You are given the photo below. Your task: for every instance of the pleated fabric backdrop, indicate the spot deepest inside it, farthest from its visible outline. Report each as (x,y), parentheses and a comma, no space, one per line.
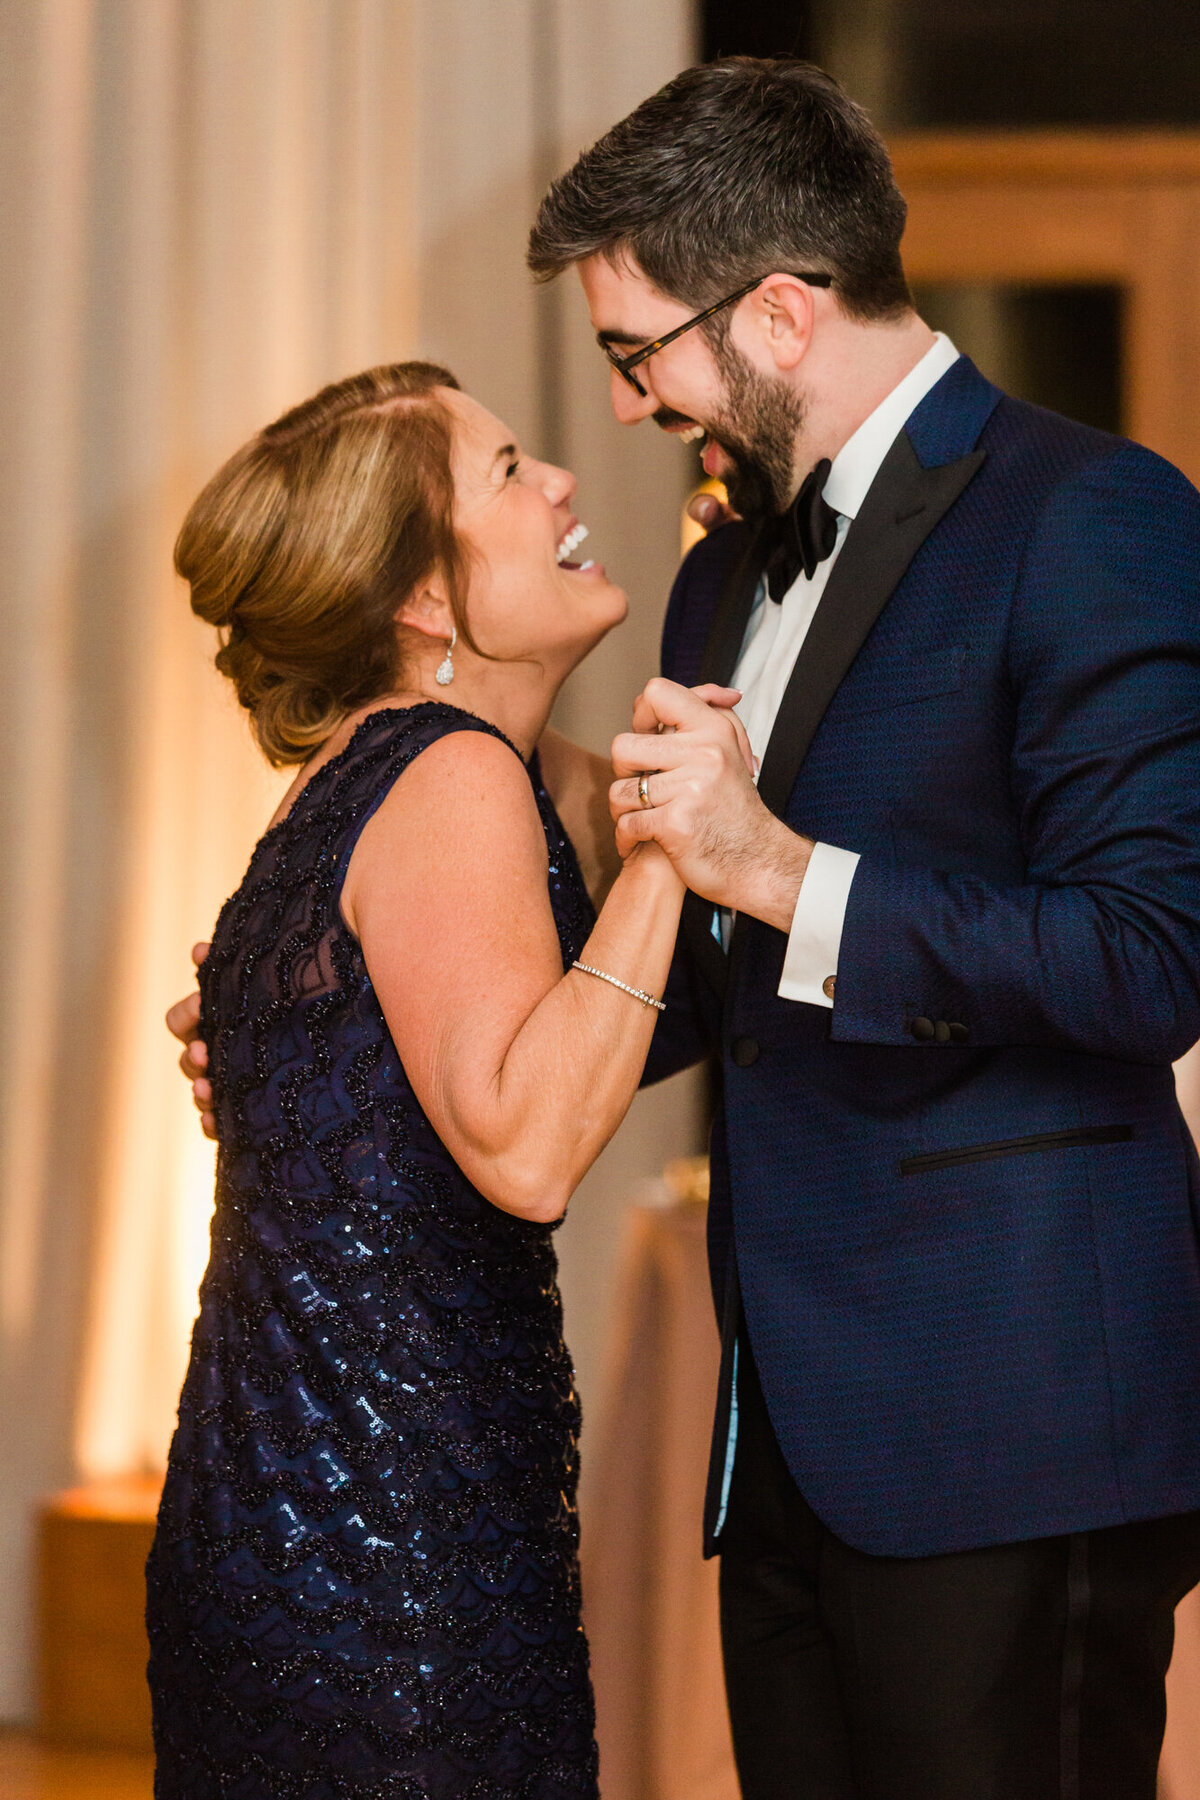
(207,208)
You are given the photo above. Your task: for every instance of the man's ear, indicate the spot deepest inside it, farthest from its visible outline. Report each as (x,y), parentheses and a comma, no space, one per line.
(783,316)
(427,610)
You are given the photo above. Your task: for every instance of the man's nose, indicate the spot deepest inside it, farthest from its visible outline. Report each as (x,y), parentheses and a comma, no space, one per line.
(630,408)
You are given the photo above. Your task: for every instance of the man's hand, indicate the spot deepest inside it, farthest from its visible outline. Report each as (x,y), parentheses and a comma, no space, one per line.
(705,810)
(183,1022)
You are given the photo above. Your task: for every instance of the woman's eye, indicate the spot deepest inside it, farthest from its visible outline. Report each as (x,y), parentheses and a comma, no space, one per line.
(512,469)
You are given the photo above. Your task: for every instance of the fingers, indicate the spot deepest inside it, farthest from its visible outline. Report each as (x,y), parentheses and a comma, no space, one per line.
(199,952)
(194,1061)
(202,1100)
(726,699)
(662,702)
(632,754)
(183,1019)
(743,743)
(711,730)
(648,712)
(709,510)
(624,796)
(634,828)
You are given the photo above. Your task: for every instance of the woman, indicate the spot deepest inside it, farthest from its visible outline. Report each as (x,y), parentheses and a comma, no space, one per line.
(364,1579)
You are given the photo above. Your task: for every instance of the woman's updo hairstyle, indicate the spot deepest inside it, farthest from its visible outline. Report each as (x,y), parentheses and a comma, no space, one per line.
(301,548)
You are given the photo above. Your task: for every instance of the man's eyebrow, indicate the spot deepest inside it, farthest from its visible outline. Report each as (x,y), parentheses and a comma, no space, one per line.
(603,338)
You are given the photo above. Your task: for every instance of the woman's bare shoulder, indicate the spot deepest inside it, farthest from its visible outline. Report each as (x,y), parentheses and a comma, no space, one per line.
(459,827)
(466,787)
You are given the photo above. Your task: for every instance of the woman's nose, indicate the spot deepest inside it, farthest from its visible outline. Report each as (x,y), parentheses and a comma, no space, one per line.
(559,484)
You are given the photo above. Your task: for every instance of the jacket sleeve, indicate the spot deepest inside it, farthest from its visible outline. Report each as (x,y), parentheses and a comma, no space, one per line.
(1098,947)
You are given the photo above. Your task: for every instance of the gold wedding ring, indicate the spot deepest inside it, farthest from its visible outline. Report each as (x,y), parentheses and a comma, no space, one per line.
(644,788)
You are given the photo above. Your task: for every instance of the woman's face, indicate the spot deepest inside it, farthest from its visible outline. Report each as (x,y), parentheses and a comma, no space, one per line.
(530,596)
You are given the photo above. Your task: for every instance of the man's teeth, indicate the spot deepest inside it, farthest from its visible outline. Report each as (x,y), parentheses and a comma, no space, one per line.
(589,564)
(571,542)
(692,435)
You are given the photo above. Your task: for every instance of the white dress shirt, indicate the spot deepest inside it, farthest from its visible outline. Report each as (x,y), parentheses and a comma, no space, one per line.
(774,635)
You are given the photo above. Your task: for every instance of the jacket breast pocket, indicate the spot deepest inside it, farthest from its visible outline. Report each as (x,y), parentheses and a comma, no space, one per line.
(900,681)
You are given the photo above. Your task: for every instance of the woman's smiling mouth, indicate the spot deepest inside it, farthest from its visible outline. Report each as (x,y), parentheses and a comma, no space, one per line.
(571,541)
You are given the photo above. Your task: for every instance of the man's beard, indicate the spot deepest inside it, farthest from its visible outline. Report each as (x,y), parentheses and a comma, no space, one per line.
(757,425)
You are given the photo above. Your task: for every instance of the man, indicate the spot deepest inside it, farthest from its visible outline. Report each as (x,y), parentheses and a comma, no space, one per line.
(946,951)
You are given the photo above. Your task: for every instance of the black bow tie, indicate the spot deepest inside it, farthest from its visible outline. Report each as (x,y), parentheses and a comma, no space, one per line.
(803,537)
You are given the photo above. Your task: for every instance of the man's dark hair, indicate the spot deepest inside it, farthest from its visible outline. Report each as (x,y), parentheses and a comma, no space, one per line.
(735,169)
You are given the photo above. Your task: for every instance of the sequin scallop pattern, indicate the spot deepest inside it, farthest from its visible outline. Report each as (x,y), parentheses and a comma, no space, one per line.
(364,1579)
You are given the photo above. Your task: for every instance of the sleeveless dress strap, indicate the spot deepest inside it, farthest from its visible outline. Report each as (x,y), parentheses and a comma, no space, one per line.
(378,753)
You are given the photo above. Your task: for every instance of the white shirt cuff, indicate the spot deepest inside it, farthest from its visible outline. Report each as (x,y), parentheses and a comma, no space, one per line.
(816,935)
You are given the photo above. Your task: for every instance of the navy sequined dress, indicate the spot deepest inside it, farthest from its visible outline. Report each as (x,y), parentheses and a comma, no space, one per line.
(364,1580)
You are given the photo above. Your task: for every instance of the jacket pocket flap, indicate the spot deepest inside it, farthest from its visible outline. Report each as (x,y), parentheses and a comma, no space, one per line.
(1022,1146)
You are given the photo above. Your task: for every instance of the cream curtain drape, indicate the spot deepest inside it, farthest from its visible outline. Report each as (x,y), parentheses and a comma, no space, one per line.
(207,208)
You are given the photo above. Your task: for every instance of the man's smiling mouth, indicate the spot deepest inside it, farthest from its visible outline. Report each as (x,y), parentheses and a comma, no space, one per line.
(678,425)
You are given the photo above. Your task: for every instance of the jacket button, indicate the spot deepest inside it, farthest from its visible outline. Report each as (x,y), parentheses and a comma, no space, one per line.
(827,986)
(941,1032)
(958,1033)
(744,1051)
(922,1030)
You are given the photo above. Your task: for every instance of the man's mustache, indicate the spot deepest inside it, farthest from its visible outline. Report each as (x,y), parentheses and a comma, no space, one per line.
(666,418)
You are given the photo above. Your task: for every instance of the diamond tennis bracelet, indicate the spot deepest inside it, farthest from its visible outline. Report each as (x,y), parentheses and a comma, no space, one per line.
(646,999)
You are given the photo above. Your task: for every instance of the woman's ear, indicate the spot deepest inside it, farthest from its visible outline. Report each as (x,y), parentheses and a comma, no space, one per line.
(427,611)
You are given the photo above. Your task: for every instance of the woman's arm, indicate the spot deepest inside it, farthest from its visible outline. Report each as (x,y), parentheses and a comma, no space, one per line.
(578,782)
(524,1072)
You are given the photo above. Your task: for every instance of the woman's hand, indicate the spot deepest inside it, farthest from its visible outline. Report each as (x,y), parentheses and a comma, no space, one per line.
(183,1022)
(709,510)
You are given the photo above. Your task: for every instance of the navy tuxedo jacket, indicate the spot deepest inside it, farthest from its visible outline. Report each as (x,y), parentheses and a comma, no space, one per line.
(957,1215)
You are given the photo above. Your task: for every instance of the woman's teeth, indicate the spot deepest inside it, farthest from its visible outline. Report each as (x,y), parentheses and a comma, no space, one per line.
(692,435)
(571,542)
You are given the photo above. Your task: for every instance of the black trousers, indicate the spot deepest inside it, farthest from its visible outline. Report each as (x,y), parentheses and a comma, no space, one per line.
(1019,1672)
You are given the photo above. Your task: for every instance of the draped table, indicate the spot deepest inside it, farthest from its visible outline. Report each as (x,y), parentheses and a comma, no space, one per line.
(650,1599)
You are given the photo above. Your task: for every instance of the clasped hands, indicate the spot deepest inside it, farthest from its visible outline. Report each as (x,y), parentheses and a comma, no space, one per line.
(693,754)
(705,813)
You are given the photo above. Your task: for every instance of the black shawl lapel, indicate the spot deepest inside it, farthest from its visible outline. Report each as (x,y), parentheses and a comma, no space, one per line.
(903,505)
(905,502)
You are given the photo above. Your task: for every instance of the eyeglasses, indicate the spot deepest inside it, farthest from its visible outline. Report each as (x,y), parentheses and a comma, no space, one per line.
(625,365)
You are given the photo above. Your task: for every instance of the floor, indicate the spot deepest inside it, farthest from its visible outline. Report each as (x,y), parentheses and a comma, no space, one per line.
(30,1771)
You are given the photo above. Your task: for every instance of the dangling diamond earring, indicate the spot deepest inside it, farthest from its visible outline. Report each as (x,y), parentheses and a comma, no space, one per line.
(444,674)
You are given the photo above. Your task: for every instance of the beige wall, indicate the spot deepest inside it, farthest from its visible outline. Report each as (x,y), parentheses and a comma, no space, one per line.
(208,207)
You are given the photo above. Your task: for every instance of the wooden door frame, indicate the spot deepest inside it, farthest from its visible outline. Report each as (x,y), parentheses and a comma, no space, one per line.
(1057,207)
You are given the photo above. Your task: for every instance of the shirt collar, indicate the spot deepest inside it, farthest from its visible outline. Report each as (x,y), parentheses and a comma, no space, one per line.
(858,461)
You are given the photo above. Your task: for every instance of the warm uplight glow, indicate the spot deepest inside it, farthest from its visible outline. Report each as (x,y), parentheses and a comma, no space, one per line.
(206,796)
(690,533)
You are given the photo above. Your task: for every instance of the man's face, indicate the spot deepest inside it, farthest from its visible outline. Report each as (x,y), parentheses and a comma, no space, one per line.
(749,416)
